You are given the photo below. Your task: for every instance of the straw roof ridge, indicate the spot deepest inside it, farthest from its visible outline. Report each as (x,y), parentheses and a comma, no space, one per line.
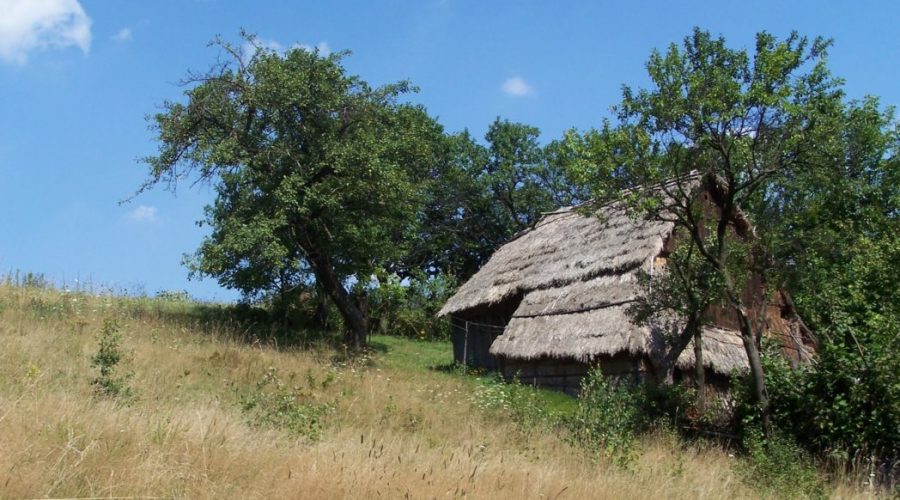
(692,179)
(569,245)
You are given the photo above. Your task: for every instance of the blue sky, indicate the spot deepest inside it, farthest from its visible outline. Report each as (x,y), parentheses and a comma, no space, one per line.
(77,78)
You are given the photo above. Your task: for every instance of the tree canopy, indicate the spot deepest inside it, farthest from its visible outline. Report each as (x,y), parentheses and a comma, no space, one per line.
(317,174)
(481,194)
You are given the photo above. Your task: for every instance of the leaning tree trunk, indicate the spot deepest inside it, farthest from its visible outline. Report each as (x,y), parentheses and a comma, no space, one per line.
(699,370)
(748,337)
(354,318)
(320,316)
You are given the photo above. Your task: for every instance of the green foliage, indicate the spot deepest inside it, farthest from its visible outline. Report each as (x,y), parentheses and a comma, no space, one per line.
(733,122)
(613,413)
(609,419)
(409,307)
(837,229)
(779,466)
(106,360)
(285,405)
(848,402)
(480,195)
(711,108)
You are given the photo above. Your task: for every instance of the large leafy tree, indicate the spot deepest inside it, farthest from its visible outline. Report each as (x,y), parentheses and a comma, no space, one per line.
(318,176)
(736,121)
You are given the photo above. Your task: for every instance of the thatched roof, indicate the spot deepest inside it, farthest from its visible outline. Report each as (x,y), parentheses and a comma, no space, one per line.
(576,275)
(564,248)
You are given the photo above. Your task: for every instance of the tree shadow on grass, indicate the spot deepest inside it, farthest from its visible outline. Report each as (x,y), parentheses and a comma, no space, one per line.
(240,322)
(379,347)
(456,369)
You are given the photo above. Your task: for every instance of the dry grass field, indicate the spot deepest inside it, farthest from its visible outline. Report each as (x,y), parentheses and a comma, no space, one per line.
(215,415)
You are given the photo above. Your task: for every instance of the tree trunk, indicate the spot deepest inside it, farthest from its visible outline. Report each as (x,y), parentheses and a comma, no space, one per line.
(320,317)
(699,370)
(757,376)
(748,337)
(671,356)
(354,318)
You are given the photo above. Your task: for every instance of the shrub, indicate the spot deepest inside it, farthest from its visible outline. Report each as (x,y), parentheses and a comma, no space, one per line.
(520,403)
(108,356)
(608,418)
(408,307)
(846,406)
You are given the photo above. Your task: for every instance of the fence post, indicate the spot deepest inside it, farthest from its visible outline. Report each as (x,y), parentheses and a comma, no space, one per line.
(466,346)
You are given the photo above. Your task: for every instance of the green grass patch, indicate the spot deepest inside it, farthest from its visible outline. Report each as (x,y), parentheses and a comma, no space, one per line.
(413,355)
(437,357)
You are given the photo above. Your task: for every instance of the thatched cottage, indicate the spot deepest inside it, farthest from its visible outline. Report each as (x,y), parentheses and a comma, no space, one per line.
(553,302)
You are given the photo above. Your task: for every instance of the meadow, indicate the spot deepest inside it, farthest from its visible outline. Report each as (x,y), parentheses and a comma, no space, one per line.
(203,406)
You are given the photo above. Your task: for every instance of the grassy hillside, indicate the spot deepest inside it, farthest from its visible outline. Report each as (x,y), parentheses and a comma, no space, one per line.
(217,412)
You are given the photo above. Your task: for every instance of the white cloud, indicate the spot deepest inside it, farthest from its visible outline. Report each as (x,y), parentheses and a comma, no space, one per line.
(248,49)
(272,45)
(143,213)
(30,25)
(517,87)
(123,35)
(322,47)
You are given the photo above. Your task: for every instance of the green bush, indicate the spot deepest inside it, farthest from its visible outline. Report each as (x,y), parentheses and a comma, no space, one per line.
(520,403)
(839,410)
(779,465)
(108,356)
(609,417)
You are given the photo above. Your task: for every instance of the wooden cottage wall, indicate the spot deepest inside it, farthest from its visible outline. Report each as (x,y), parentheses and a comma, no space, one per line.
(566,374)
(476,329)
(472,341)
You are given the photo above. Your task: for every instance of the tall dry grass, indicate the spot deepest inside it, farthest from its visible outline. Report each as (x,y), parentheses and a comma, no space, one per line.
(391,432)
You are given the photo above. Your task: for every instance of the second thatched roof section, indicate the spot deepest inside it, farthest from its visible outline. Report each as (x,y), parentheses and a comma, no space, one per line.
(573,277)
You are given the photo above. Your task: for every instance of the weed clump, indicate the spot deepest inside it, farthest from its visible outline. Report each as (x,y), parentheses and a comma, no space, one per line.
(279,405)
(520,403)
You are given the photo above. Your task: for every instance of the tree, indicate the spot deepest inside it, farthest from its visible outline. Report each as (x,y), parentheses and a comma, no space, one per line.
(316,174)
(735,123)
(835,229)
